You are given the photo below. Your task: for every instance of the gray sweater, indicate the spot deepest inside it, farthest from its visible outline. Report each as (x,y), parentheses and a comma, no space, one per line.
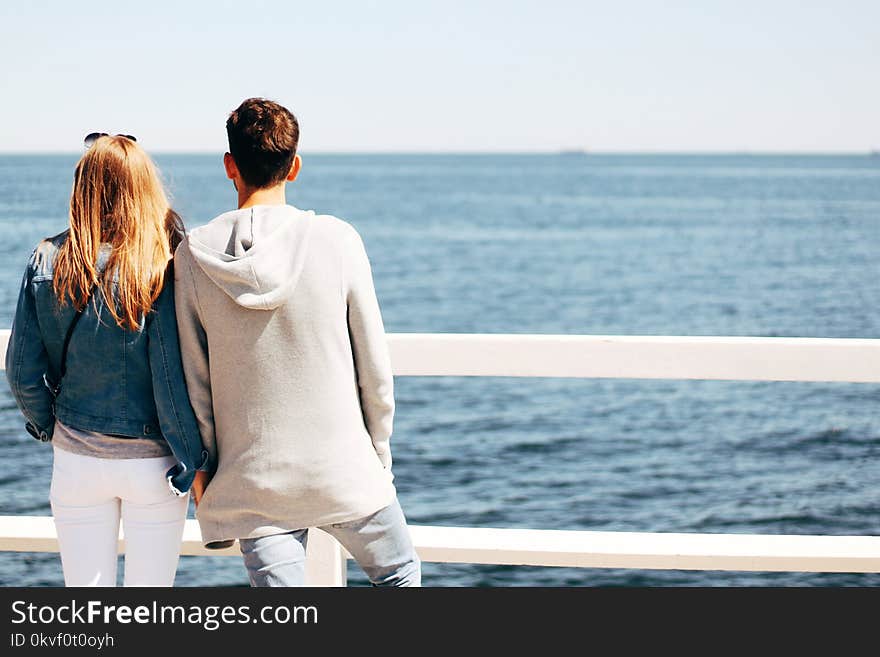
(288,371)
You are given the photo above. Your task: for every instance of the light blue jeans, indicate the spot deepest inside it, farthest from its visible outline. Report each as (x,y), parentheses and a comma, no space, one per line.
(380,543)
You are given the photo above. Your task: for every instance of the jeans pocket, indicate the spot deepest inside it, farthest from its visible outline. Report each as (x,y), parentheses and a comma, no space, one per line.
(350,524)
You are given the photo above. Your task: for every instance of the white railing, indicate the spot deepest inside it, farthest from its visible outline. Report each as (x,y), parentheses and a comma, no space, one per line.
(650,357)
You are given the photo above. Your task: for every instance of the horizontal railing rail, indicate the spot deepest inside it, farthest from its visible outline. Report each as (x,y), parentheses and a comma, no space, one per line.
(549,547)
(588,356)
(629,356)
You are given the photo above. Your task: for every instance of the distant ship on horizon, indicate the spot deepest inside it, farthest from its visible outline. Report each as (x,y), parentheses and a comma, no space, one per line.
(573,151)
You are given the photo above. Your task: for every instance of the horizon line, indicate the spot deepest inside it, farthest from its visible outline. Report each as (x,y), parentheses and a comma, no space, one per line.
(559,151)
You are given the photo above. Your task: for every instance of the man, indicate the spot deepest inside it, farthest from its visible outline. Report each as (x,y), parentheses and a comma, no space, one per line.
(288,371)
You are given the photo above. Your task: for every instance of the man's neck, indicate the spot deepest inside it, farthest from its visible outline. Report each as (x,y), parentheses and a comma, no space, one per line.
(267,196)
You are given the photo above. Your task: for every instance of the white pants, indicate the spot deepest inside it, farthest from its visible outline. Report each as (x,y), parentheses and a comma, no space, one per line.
(89,495)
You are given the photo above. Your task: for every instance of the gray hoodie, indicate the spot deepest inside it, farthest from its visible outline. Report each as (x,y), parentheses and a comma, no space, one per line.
(288,371)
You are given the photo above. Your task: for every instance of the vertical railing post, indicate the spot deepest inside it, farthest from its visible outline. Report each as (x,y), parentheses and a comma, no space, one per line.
(325,560)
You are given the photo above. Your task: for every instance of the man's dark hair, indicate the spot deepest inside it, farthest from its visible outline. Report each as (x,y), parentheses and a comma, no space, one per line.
(262,140)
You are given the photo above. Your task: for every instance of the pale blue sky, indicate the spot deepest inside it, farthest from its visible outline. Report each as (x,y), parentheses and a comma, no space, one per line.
(629,75)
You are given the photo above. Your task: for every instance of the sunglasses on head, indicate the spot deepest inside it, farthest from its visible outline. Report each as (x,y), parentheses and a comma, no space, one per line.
(92,137)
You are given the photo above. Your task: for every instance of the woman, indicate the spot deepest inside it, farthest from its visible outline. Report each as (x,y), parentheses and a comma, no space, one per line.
(94,365)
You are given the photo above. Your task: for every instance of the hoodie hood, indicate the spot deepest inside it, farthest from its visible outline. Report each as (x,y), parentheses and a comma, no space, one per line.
(255,255)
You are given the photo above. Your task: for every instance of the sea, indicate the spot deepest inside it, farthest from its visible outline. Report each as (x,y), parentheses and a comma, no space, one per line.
(569,243)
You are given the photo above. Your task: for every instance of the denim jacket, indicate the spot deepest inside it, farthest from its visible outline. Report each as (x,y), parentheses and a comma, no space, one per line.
(117,381)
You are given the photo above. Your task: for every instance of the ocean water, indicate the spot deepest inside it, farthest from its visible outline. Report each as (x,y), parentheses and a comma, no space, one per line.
(595,244)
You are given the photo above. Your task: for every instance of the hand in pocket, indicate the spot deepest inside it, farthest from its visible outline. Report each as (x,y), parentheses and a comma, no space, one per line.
(200,483)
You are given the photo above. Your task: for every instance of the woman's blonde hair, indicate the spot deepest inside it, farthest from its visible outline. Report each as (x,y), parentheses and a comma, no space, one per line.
(117,199)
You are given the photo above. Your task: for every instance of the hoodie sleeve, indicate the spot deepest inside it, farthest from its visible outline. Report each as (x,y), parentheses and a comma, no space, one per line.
(194,349)
(369,347)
